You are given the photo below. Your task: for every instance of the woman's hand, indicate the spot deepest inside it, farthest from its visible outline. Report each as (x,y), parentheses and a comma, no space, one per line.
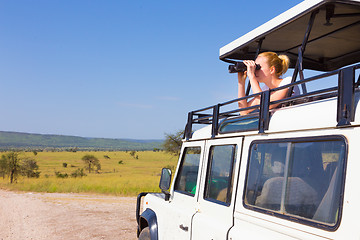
(251,66)
(242,77)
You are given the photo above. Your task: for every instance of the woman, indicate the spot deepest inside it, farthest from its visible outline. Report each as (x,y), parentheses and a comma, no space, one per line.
(273,66)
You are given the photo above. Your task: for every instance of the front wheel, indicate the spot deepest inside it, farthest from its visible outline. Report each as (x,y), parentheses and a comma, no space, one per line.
(145,234)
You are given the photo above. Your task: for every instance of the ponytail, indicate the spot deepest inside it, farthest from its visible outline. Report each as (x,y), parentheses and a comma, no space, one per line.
(285,63)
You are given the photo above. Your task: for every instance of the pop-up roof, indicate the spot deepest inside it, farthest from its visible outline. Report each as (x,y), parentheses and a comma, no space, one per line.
(333,42)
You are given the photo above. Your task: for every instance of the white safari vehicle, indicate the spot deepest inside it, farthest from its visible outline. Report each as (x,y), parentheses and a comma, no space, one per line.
(285,172)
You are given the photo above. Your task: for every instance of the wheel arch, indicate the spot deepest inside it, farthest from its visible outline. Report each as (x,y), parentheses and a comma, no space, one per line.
(148,219)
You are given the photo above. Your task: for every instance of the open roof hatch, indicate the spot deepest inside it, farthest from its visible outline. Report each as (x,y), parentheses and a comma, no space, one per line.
(330,30)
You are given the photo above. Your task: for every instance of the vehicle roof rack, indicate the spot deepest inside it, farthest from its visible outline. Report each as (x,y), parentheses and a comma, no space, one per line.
(345,93)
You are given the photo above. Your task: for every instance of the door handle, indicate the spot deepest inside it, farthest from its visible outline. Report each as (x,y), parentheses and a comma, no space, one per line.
(184,228)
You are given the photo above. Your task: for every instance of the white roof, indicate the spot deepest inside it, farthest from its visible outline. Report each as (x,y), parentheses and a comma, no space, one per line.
(281,19)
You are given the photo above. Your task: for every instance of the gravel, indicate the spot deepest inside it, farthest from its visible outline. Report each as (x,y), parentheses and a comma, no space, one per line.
(27,215)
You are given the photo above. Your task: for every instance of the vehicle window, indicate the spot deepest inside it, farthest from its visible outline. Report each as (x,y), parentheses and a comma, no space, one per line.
(220,173)
(297,178)
(240,124)
(188,171)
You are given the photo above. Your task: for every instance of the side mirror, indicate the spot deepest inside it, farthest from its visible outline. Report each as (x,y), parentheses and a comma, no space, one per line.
(165,179)
(165,182)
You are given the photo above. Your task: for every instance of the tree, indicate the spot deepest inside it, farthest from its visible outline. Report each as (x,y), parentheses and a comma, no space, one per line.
(132,153)
(29,167)
(3,166)
(172,143)
(91,162)
(12,165)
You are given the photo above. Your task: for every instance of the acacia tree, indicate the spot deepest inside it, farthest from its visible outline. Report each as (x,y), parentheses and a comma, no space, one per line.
(172,143)
(91,162)
(13,167)
(3,166)
(132,153)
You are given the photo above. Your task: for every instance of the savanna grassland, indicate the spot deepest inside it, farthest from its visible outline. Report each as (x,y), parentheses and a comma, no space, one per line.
(121,173)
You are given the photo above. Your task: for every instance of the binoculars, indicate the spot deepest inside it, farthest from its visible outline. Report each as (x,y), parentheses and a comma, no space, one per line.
(240,67)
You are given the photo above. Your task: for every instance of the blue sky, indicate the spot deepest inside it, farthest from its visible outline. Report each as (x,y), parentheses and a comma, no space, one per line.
(117,69)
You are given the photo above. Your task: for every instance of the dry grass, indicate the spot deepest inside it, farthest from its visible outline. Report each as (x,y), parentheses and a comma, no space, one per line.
(126,179)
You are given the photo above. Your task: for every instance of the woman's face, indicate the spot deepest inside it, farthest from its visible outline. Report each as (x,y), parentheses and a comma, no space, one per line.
(263,74)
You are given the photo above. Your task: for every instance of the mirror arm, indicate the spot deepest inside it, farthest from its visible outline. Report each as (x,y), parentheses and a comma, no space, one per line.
(167,195)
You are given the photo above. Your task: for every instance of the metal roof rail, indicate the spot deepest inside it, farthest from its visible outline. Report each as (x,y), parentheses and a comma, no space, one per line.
(345,92)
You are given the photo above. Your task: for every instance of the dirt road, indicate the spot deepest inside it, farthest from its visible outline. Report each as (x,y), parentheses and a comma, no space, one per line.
(25,215)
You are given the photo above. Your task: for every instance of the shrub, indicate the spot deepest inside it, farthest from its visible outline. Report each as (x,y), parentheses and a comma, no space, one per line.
(78,173)
(61,175)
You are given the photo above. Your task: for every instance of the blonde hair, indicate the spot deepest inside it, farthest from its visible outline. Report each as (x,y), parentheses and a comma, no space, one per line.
(280,62)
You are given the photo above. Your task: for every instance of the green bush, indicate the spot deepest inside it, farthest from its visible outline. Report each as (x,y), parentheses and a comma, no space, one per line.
(78,173)
(61,175)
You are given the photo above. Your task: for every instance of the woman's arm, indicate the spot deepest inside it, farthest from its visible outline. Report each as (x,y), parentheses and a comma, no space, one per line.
(278,95)
(241,89)
(255,87)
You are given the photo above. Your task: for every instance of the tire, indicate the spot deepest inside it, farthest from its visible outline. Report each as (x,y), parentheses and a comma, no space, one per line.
(145,234)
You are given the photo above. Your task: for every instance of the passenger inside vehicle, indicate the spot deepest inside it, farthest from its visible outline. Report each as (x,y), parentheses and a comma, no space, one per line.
(300,198)
(303,187)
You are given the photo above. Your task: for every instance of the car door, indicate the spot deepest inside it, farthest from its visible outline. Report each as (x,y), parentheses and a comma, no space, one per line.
(214,215)
(184,193)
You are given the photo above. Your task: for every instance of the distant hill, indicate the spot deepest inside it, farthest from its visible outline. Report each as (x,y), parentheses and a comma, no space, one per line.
(17,140)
